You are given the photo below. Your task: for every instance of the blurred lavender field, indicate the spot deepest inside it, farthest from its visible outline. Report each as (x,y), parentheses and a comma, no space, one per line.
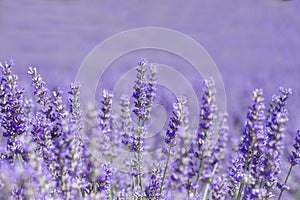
(255,44)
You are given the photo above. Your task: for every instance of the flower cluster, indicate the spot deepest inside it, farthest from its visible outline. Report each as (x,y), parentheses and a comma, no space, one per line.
(52,149)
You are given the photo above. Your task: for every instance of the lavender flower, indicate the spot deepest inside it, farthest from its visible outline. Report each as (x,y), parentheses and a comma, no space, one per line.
(75,106)
(126,125)
(152,190)
(152,90)
(294,159)
(105,117)
(250,151)
(218,190)
(200,147)
(12,113)
(140,92)
(207,116)
(44,153)
(40,89)
(276,124)
(212,165)
(178,119)
(144,95)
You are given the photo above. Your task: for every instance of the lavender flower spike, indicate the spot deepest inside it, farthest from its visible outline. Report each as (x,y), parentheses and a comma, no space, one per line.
(75,107)
(276,125)
(12,115)
(40,89)
(250,152)
(294,159)
(200,147)
(106,111)
(180,115)
(140,92)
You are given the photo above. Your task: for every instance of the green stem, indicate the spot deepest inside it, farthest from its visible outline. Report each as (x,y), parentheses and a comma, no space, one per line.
(240,191)
(207,184)
(164,174)
(205,191)
(133,186)
(198,175)
(139,156)
(286,180)
(110,193)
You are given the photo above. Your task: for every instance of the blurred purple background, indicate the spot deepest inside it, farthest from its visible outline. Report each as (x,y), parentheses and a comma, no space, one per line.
(254,43)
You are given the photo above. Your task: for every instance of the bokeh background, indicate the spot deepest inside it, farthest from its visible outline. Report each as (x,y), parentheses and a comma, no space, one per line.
(255,44)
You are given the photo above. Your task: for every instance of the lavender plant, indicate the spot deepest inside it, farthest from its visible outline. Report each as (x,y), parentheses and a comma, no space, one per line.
(51,150)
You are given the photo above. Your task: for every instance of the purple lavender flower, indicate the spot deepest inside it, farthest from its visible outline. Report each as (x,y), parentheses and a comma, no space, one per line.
(275,127)
(105,117)
(294,158)
(75,106)
(208,109)
(178,119)
(12,118)
(126,125)
(236,175)
(12,113)
(40,89)
(46,155)
(152,90)
(152,190)
(140,92)
(218,188)
(201,146)
(182,172)
(212,165)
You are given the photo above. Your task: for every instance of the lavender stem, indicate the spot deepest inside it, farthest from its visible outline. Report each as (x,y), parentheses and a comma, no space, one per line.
(286,180)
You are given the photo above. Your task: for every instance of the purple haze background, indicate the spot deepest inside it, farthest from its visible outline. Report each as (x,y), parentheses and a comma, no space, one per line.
(255,44)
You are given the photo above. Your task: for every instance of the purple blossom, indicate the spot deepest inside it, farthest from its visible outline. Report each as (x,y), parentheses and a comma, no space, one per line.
(275,127)
(212,165)
(52,151)
(294,158)
(105,117)
(179,117)
(208,109)
(12,112)
(176,123)
(140,92)
(152,190)
(75,106)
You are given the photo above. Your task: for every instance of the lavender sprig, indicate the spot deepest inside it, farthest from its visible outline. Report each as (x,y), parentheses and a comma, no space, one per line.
(152,190)
(144,95)
(12,113)
(178,119)
(275,127)
(211,166)
(75,106)
(201,145)
(250,152)
(294,159)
